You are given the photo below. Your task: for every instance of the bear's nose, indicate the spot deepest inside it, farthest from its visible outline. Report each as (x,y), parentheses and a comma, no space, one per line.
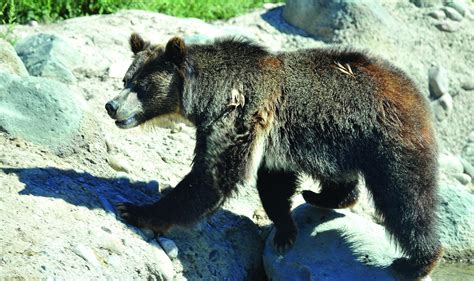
(111,108)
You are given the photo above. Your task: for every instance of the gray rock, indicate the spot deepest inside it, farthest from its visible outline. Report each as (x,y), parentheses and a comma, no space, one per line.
(456,225)
(460,6)
(87,254)
(442,107)
(448,26)
(169,247)
(323,19)
(453,14)
(39,110)
(332,245)
(438,14)
(463,179)
(165,269)
(49,56)
(148,234)
(9,60)
(438,81)
(446,102)
(468,150)
(468,85)
(450,164)
(426,3)
(119,163)
(468,168)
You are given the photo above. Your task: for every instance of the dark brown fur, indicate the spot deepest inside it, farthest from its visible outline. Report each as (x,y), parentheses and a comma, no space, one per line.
(332,114)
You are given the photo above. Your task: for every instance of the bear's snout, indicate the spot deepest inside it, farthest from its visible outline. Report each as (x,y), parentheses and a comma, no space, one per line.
(111,108)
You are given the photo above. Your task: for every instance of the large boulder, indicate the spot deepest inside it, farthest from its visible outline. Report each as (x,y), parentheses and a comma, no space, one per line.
(332,245)
(9,60)
(39,110)
(324,19)
(47,55)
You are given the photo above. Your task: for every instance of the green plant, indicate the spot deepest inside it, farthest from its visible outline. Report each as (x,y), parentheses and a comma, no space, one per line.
(53,10)
(7,34)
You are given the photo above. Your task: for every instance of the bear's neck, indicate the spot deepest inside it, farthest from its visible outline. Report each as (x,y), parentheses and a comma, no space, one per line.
(213,72)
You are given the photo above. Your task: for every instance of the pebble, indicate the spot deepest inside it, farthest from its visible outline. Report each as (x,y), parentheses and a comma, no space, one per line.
(148,234)
(448,26)
(468,85)
(446,101)
(33,23)
(468,168)
(461,6)
(468,151)
(169,247)
(438,14)
(87,254)
(119,163)
(452,14)
(463,178)
(450,164)
(438,81)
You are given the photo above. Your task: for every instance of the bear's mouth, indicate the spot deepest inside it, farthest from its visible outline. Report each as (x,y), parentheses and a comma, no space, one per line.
(130,122)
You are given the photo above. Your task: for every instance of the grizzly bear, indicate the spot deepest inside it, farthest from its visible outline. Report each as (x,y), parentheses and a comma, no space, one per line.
(334,114)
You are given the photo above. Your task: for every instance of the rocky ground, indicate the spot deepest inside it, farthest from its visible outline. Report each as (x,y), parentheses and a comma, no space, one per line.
(63,162)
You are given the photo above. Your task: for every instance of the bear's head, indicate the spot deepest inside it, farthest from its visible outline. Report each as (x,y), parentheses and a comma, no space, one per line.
(152,85)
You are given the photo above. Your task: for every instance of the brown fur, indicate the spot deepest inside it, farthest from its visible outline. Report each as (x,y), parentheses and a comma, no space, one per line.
(332,114)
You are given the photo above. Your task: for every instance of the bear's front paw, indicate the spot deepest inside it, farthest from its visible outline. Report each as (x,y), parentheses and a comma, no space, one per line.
(141,216)
(284,239)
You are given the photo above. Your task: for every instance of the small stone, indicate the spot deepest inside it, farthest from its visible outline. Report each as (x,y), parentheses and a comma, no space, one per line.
(148,234)
(438,14)
(87,254)
(446,101)
(460,6)
(164,267)
(33,23)
(468,168)
(119,163)
(468,85)
(450,164)
(442,107)
(462,178)
(448,26)
(452,14)
(169,247)
(438,81)
(468,152)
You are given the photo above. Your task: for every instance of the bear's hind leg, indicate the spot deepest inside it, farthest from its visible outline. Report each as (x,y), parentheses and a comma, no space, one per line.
(404,193)
(333,195)
(275,189)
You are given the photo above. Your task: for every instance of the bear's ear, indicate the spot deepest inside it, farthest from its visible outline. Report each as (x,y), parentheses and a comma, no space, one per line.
(176,50)
(137,44)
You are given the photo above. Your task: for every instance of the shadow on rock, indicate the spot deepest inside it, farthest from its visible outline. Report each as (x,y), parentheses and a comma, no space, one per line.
(224,246)
(332,245)
(275,18)
(84,189)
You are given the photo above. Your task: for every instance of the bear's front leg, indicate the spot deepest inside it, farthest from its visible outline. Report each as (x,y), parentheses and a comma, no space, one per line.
(223,159)
(190,200)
